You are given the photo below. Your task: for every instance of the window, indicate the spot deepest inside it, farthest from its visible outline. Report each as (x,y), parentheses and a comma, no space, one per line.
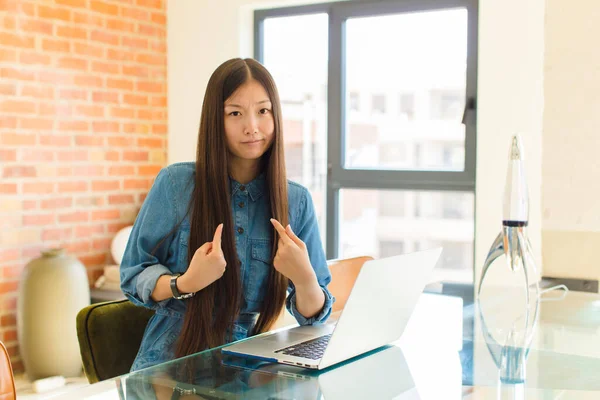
(377,133)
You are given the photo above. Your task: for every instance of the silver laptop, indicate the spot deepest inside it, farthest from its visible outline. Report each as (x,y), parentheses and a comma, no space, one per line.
(379,306)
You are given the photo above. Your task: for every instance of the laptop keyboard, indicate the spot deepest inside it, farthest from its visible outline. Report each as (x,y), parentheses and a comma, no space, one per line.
(312,349)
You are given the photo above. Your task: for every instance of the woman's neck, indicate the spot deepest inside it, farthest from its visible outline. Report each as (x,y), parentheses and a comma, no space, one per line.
(244,171)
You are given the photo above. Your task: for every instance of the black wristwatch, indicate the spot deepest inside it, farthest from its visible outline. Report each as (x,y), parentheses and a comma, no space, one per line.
(175,291)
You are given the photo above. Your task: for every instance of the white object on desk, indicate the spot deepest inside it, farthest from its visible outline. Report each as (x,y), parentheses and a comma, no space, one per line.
(118,244)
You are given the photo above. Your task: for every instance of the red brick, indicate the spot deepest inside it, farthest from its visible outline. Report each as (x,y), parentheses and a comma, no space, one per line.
(53,204)
(89,170)
(136,128)
(54,13)
(122,112)
(116,227)
(10,335)
(104,215)
(135,70)
(18,40)
(37,124)
(8,287)
(35,58)
(79,126)
(88,81)
(38,220)
(88,230)
(76,155)
(101,244)
(121,141)
(159,18)
(149,30)
(17,139)
(56,45)
(112,156)
(73,63)
(19,106)
(149,86)
(150,3)
(35,155)
(11,272)
(153,143)
(60,110)
(89,50)
(35,25)
(135,13)
(105,68)
(159,129)
(104,7)
(32,251)
(72,3)
(136,184)
(9,319)
(9,255)
(121,199)
(121,170)
(77,216)
(78,247)
(38,187)
(19,172)
(55,140)
(105,37)
(151,59)
(135,100)
(89,111)
(105,127)
(57,234)
(8,89)
(8,55)
(134,43)
(105,97)
(29,204)
(135,155)
(90,201)
(17,74)
(8,122)
(72,94)
(8,155)
(65,187)
(149,170)
(55,78)
(8,188)
(158,46)
(89,19)
(37,91)
(104,186)
(120,25)
(119,84)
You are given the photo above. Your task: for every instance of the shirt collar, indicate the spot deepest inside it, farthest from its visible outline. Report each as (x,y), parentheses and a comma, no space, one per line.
(255,188)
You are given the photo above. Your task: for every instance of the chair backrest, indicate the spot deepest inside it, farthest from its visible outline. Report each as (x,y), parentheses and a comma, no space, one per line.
(7,380)
(343,275)
(110,335)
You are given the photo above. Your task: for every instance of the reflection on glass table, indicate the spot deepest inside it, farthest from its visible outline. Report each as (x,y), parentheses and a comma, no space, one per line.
(444,354)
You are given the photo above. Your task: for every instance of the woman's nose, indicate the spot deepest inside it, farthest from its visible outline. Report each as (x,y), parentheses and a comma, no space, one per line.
(251,125)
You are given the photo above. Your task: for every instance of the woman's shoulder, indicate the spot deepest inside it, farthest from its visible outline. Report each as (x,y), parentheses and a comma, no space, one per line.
(296,192)
(180,174)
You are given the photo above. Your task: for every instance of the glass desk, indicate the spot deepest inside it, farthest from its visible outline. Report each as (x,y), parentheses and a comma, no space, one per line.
(451,349)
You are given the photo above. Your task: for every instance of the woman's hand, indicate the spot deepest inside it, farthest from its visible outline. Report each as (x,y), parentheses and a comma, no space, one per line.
(292,258)
(208,265)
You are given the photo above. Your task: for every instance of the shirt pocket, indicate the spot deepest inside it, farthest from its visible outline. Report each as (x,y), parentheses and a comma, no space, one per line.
(182,250)
(258,270)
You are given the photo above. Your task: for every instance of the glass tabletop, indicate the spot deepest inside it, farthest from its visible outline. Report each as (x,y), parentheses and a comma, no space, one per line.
(452,348)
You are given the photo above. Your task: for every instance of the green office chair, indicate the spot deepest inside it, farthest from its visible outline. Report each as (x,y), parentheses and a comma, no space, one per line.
(109,337)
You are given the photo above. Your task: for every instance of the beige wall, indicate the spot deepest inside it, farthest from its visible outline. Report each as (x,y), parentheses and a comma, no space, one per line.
(571,160)
(201,36)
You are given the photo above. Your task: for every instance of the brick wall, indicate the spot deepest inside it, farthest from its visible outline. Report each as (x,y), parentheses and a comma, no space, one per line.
(83,124)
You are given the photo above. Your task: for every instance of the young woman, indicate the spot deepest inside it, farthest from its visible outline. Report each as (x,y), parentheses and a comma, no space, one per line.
(218,243)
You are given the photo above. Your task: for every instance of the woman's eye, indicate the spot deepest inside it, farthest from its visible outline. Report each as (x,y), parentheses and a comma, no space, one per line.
(264,111)
(235,113)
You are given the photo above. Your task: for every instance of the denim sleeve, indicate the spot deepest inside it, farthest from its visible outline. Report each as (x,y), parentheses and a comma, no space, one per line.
(308,231)
(140,267)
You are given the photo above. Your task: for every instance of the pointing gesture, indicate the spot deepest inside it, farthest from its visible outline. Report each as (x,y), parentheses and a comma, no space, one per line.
(291,258)
(208,264)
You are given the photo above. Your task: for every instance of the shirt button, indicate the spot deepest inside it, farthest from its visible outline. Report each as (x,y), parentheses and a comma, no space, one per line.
(241,204)
(242,188)
(240,230)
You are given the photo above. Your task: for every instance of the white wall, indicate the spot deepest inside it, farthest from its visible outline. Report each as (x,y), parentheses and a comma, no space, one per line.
(201,35)
(571,162)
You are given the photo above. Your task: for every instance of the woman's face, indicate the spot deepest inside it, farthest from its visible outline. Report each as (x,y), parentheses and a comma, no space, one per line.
(249,124)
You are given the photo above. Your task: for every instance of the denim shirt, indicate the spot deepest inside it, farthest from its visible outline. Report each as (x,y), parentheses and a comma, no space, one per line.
(165,206)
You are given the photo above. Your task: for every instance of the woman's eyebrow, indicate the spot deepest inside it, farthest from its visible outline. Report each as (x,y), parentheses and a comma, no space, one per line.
(238,106)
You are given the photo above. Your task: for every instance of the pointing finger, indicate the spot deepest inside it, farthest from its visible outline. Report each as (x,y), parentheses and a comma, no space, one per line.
(281,230)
